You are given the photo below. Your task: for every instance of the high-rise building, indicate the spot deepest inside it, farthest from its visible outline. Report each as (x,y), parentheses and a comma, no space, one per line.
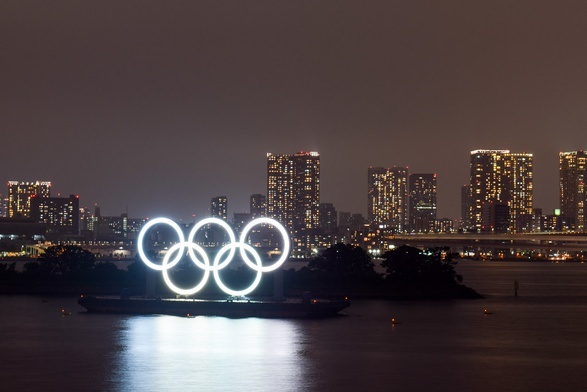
(60,214)
(19,196)
(388,197)
(465,207)
(378,195)
(280,180)
(572,188)
(258,206)
(3,205)
(422,191)
(219,207)
(328,217)
(344,219)
(499,176)
(293,194)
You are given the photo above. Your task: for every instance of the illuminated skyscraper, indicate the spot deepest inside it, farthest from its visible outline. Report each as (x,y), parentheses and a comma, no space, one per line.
(60,214)
(499,176)
(19,196)
(293,193)
(378,195)
(572,190)
(219,207)
(388,196)
(422,214)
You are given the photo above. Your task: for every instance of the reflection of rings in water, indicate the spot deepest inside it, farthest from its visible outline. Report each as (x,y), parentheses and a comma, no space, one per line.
(200,258)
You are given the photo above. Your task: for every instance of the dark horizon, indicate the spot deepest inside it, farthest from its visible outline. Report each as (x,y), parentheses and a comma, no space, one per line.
(156,107)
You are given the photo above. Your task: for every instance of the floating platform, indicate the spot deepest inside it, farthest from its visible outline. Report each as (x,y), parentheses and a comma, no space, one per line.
(232,308)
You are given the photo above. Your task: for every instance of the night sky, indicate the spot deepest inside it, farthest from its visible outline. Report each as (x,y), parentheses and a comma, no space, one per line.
(157,106)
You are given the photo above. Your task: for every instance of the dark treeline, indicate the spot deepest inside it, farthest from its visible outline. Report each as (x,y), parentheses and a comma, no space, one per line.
(341,270)
(69,269)
(409,273)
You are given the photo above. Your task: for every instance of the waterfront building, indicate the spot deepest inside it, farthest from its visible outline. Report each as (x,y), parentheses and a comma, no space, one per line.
(110,228)
(87,222)
(422,202)
(387,197)
(293,195)
(19,196)
(118,228)
(537,220)
(555,222)
(444,225)
(60,214)
(495,217)
(219,207)
(572,189)
(502,177)
(19,234)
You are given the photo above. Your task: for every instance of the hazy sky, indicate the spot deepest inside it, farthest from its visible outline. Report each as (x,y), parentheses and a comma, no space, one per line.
(157,106)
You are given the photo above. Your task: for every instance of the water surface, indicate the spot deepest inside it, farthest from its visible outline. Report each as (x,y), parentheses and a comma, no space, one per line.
(534,342)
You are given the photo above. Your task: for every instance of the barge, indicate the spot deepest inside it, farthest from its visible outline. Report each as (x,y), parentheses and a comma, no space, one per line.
(232,308)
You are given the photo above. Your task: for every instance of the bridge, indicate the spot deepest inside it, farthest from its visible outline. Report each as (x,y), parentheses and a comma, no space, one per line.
(544,243)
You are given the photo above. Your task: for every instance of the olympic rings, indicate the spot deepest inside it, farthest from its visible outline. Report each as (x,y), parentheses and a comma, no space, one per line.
(200,258)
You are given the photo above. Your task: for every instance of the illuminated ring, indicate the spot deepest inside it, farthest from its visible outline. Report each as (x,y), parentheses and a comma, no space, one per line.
(284,253)
(142,234)
(179,247)
(217,268)
(197,227)
(170,261)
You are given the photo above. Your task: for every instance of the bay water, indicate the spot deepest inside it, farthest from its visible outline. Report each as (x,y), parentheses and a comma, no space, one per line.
(536,341)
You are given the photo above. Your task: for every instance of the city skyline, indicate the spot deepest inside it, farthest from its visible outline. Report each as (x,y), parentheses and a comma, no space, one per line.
(481,161)
(154,109)
(209,208)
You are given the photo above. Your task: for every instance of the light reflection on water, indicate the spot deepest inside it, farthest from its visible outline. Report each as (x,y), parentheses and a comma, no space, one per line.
(215,352)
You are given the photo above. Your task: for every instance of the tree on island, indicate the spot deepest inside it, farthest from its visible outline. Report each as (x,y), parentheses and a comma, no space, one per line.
(339,269)
(67,260)
(70,263)
(407,265)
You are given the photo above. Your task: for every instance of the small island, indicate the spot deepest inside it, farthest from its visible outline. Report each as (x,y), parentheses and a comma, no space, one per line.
(410,273)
